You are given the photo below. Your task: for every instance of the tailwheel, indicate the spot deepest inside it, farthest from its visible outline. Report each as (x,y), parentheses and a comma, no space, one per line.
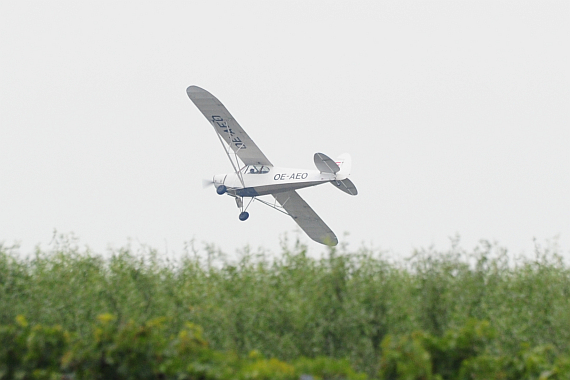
(243,216)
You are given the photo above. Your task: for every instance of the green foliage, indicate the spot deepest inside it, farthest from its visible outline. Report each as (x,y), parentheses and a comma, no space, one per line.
(117,351)
(405,358)
(31,352)
(342,305)
(267,369)
(422,356)
(324,368)
(466,353)
(127,351)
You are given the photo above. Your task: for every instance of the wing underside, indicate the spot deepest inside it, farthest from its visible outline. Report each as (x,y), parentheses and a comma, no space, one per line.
(306,218)
(227,127)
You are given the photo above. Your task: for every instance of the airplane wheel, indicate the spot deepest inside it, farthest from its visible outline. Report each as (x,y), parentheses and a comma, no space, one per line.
(221,190)
(243,216)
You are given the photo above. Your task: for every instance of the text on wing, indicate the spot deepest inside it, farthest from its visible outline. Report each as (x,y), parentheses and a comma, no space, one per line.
(221,123)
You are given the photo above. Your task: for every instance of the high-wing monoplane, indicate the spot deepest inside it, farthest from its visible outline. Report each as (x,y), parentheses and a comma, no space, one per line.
(254,175)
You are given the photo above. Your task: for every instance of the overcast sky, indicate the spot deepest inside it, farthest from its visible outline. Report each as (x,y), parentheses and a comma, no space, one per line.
(456,114)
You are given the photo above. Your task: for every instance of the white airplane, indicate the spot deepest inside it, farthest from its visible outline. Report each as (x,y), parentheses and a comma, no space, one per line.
(256,176)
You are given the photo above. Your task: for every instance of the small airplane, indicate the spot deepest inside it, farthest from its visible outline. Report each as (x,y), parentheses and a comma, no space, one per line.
(256,176)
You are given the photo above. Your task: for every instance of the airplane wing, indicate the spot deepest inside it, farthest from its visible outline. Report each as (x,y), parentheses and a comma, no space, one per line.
(306,218)
(227,127)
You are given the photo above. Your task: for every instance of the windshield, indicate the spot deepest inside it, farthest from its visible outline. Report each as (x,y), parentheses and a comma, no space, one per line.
(256,169)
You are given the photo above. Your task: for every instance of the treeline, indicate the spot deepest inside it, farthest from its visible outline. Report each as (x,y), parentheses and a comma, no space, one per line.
(361,306)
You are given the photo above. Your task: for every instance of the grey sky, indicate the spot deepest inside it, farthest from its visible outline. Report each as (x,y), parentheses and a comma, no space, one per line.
(456,114)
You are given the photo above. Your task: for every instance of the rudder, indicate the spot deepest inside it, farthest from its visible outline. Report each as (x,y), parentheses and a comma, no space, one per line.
(344,162)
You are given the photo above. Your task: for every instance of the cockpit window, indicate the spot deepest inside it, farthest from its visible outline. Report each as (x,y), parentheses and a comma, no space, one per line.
(256,169)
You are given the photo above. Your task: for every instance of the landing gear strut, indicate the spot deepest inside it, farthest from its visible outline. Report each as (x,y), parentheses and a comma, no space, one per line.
(243,214)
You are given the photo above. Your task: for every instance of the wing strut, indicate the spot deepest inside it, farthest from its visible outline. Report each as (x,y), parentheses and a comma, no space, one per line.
(236,164)
(274,206)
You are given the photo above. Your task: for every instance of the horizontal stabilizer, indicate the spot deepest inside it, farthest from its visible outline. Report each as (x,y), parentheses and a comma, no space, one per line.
(325,164)
(345,185)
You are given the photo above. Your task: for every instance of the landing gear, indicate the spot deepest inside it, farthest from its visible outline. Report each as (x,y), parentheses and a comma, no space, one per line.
(243,214)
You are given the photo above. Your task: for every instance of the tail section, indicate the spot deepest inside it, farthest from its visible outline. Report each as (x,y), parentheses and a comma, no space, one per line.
(325,164)
(344,162)
(346,185)
(341,167)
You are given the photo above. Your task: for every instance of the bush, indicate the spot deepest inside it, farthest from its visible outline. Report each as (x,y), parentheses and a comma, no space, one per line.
(31,352)
(125,351)
(467,353)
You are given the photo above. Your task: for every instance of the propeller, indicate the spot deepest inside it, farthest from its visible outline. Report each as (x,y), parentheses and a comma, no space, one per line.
(219,189)
(207,183)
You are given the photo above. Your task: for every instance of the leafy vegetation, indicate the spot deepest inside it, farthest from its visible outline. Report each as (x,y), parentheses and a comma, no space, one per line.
(131,351)
(436,315)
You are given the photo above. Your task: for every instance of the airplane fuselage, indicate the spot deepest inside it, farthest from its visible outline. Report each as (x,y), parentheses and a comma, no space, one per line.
(263,180)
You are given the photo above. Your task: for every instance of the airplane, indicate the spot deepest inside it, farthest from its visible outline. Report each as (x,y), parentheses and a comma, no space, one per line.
(254,175)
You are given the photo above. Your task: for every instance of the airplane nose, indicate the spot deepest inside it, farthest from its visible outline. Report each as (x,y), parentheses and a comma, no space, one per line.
(219,179)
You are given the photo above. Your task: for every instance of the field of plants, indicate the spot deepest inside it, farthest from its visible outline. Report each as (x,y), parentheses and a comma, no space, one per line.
(448,314)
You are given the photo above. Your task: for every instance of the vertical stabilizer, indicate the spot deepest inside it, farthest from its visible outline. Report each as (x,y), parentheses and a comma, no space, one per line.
(344,162)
